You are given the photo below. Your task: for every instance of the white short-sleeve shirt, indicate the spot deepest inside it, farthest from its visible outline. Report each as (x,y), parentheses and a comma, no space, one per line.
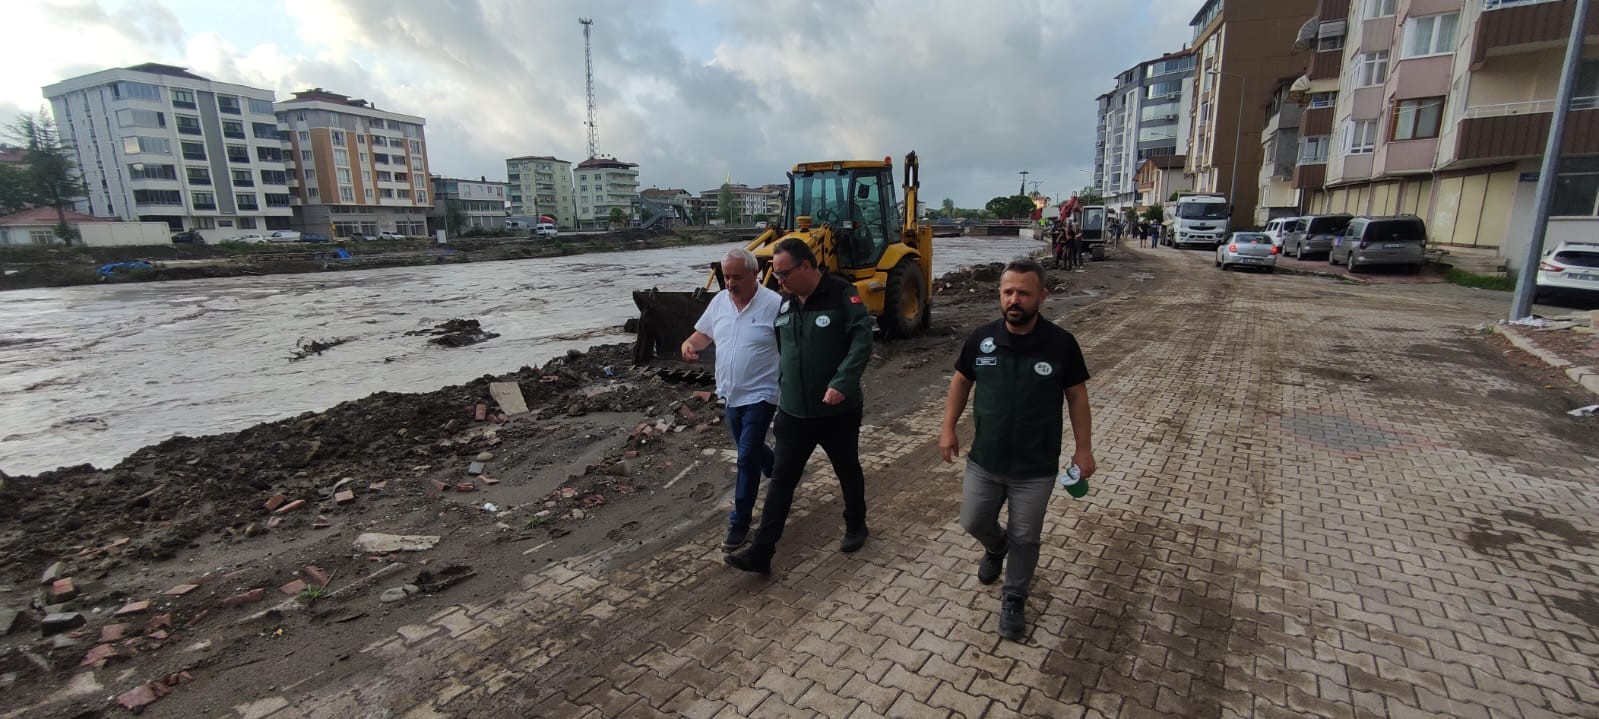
(746,346)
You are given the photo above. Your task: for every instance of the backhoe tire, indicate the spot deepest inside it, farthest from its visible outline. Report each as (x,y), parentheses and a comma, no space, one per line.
(904,301)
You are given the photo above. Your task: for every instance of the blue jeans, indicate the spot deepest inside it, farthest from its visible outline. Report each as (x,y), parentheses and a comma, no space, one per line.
(748,425)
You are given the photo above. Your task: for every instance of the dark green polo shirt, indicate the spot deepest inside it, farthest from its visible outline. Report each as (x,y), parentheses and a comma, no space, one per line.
(1021,391)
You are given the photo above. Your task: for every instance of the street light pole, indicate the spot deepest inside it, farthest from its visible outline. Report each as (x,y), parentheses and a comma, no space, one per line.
(1024,175)
(1527,279)
(1238,137)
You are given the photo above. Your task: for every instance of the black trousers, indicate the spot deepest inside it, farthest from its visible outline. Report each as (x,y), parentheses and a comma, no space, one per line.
(796,438)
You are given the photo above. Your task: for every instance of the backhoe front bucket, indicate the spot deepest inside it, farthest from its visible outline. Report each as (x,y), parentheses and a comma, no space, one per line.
(665,320)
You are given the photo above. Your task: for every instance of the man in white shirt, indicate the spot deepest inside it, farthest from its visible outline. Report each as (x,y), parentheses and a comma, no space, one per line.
(739,322)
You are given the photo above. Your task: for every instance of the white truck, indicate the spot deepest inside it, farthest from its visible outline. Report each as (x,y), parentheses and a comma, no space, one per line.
(1197,219)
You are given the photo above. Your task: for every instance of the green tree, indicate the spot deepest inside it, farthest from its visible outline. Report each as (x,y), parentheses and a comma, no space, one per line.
(454,217)
(724,204)
(618,217)
(52,171)
(949,207)
(1090,196)
(1010,208)
(16,189)
(1155,214)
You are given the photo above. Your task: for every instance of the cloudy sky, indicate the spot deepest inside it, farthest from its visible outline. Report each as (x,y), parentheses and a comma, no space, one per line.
(692,90)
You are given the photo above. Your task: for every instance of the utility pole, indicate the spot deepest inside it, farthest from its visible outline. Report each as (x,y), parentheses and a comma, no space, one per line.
(1023,191)
(1527,278)
(588,64)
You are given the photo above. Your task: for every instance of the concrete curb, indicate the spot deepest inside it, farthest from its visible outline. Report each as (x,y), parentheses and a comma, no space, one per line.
(1586,377)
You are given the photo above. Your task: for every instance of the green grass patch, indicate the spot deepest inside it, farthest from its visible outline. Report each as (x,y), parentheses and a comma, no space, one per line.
(1481,282)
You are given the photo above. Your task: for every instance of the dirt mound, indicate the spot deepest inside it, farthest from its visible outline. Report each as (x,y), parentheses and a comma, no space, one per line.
(456,333)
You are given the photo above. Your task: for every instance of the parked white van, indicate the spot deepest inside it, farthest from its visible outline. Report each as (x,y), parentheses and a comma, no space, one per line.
(545,229)
(1279,228)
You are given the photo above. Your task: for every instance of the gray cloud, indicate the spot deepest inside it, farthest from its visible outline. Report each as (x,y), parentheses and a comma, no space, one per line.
(146,22)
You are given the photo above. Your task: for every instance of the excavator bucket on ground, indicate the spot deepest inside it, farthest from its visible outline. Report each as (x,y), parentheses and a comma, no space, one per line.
(665,320)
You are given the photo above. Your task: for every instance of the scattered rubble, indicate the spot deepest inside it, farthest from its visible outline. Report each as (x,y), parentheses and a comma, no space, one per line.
(379,543)
(455,333)
(309,347)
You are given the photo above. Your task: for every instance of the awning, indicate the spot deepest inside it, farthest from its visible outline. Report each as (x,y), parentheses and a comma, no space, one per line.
(1296,91)
(1336,28)
(1306,38)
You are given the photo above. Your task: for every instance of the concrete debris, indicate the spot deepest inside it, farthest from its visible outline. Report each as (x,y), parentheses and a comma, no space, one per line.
(379,543)
(1589,411)
(58,622)
(53,572)
(475,468)
(509,396)
(485,457)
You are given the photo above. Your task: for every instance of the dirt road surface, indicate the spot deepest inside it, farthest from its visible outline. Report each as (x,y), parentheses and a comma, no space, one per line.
(1314,500)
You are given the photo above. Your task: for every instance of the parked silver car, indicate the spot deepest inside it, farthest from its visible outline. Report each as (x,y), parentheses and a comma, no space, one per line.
(1313,235)
(1247,249)
(1381,241)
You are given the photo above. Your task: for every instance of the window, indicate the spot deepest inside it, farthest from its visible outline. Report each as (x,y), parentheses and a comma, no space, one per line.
(401,177)
(193,150)
(264,130)
(198,175)
(404,194)
(243,178)
(203,200)
(273,200)
(421,197)
(368,193)
(233,129)
(269,154)
(187,124)
(305,136)
(1152,134)
(416,164)
(1331,42)
(384,176)
(338,138)
(205,223)
(246,201)
(378,141)
(146,145)
(42,237)
(228,104)
(157,197)
(305,155)
(387,193)
(380,159)
(360,139)
(183,98)
(126,90)
(310,173)
(1576,188)
(1371,68)
(1204,113)
(416,147)
(313,193)
(1322,99)
(341,158)
(247,223)
(1313,150)
(141,171)
(1362,137)
(141,118)
(1430,35)
(346,194)
(1165,89)
(274,177)
(344,175)
(239,153)
(1379,8)
(260,107)
(1417,119)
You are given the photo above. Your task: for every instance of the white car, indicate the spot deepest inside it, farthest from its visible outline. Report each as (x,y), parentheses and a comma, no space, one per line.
(1278,229)
(248,239)
(545,229)
(1571,269)
(391,236)
(1247,249)
(283,236)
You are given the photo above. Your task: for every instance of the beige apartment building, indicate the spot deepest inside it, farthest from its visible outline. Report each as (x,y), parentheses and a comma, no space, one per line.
(1240,54)
(1442,110)
(604,184)
(354,169)
(542,185)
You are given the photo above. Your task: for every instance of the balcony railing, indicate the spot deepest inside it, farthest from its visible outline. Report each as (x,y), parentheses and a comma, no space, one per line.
(1520,130)
(1496,4)
(1527,107)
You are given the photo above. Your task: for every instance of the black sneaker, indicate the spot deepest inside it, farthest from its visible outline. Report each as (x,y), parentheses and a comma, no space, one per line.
(736,537)
(750,560)
(1013,617)
(853,540)
(989,568)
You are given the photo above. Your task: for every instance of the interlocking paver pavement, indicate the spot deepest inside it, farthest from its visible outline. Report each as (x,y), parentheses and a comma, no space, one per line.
(1314,500)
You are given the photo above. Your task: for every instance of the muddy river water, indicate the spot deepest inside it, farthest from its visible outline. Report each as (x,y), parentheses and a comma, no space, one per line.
(90,374)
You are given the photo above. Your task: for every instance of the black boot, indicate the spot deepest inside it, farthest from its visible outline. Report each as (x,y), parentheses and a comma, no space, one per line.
(989,568)
(854,539)
(754,559)
(1013,617)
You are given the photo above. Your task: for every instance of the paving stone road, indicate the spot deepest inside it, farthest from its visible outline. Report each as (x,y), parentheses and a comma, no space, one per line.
(1314,499)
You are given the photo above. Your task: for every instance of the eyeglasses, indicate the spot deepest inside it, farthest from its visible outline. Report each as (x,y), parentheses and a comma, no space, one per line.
(782,275)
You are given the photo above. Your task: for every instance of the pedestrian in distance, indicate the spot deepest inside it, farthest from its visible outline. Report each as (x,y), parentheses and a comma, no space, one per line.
(1023,367)
(1057,243)
(739,322)
(824,340)
(1074,248)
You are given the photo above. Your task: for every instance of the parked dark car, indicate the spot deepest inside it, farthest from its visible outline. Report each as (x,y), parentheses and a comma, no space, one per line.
(188,237)
(313,237)
(1314,234)
(1381,241)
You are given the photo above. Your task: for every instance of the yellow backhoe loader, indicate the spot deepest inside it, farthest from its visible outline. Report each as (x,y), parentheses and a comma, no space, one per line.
(846,212)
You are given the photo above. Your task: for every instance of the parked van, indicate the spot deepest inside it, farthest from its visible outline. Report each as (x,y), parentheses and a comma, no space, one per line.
(1381,241)
(517,225)
(1278,230)
(545,229)
(1313,235)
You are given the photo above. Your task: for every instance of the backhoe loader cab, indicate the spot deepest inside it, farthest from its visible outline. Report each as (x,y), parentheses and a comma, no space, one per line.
(847,213)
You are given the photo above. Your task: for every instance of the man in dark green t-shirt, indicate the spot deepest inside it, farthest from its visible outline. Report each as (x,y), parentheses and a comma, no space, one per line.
(1023,366)
(824,340)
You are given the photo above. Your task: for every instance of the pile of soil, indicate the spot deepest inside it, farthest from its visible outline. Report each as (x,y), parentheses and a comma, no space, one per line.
(456,333)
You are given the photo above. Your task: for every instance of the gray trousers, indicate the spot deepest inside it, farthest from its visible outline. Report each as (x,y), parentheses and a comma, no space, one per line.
(983,493)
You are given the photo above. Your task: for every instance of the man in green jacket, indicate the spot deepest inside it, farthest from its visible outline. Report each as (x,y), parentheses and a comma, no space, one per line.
(824,339)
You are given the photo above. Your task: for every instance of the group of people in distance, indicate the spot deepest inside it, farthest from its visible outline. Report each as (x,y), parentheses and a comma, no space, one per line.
(795,360)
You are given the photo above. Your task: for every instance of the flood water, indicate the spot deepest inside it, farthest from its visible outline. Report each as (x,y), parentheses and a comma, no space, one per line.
(90,374)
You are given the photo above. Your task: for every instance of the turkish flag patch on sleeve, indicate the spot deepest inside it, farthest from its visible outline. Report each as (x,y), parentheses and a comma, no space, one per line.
(854,299)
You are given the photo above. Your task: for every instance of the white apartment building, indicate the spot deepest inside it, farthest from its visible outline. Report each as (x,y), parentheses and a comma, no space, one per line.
(604,184)
(157,143)
(541,185)
(353,167)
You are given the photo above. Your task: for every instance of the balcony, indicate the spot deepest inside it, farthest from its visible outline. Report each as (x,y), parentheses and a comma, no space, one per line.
(1311,176)
(1520,130)
(1316,121)
(1327,65)
(1508,27)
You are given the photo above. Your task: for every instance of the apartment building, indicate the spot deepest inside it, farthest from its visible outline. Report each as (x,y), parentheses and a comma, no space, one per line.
(541,185)
(1443,111)
(1146,116)
(749,203)
(157,143)
(604,184)
(480,202)
(1239,55)
(353,167)
(1158,177)
(1279,152)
